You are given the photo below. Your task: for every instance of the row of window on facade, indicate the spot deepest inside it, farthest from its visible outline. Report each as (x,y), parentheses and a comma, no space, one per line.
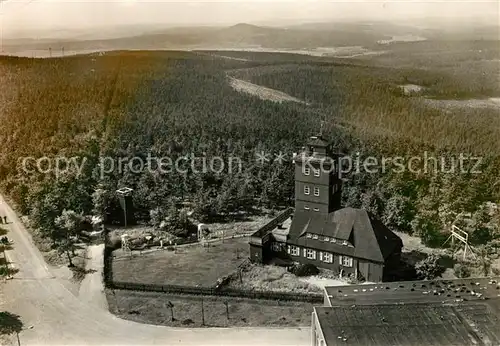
(307,190)
(327,239)
(307,171)
(323,256)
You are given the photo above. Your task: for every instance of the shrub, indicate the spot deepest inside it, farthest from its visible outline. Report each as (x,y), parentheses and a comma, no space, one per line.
(187,322)
(461,270)
(305,270)
(115,242)
(429,268)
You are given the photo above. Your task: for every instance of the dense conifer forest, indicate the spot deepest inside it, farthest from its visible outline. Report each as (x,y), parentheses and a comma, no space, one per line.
(172,104)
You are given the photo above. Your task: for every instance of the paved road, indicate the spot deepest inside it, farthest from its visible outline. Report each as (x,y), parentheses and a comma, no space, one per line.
(58,317)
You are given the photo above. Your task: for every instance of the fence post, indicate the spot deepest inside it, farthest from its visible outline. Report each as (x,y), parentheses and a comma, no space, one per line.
(202,313)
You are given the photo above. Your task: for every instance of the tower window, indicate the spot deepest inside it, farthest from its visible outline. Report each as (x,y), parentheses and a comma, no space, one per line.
(307,170)
(306,207)
(316,209)
(307,190)
(316,173)
(316,191)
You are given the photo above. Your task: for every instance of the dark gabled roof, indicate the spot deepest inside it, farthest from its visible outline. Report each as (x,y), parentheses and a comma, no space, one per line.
(372,240)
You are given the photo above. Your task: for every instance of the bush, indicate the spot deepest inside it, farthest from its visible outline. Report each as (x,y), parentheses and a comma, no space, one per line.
(429,268)
(461,270)
(115,242)
(305,270)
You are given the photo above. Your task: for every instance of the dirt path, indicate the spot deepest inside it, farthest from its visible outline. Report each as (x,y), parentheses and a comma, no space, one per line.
(91,288)
(52,315)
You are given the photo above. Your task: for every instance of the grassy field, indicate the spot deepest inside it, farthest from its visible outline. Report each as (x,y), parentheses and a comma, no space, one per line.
(191,265)
(153,308)
(272,278)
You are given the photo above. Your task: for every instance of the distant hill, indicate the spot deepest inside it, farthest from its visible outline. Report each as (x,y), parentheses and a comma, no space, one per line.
(244,35)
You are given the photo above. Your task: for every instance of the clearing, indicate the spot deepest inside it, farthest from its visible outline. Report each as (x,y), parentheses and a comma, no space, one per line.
(492,102)
(262,92)
(409,89)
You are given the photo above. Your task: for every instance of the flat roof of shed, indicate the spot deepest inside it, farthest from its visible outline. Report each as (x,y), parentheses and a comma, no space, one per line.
(466,323)
(415,291)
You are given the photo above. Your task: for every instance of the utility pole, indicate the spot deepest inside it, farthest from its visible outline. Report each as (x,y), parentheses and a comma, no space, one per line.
(226,303)
(50,52)
(62,51)
(202,313)
(124,194)
(171,306)
(125,210)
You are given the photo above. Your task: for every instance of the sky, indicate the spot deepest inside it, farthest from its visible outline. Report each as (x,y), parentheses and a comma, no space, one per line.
(32,17)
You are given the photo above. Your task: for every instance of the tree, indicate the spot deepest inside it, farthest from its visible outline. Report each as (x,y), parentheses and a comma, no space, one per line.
(157,216)
(69,221)
(428,227)
(67,246)
(205,207)
(429,268)
(461,270)
(101,198)
(4,246)
(10,323)
(398,213)
(484,260)
(69,225)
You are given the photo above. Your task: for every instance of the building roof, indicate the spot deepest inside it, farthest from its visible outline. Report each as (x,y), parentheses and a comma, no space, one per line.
(318,141)
(469,323)
(425,291)
(437,312)
(372,240)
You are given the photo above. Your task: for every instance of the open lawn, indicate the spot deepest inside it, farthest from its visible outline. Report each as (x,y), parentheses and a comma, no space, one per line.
(152,308)
(188,265)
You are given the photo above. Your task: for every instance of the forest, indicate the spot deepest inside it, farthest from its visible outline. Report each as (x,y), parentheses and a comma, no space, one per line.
(171,104)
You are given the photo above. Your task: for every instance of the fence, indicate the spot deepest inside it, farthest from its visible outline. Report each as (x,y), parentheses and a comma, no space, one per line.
(192,290)
(209,291)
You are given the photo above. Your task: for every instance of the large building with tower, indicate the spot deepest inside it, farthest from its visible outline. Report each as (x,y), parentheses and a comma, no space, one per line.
(349,241)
